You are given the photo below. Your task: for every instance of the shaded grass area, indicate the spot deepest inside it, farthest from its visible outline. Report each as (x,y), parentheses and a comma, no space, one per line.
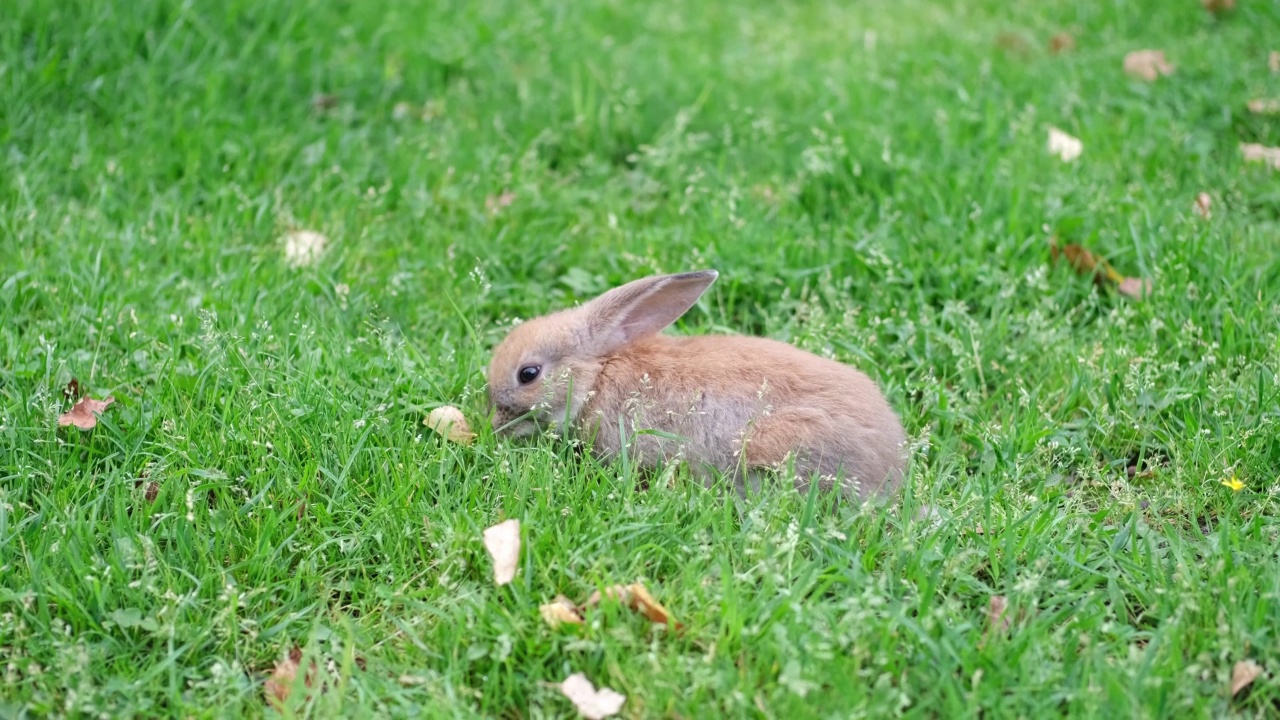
(870,179)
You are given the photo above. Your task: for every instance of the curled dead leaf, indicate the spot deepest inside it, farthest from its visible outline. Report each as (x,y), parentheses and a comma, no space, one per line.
(1243,674)
(280,683)
(152,491)
(1062,42)
(636,597)
(451,423)
(591,703)
(72,390)
(560,611)
(303,247)
(1147,65)
(1066,147)
(503,543)
(495,203)
(1086,263)
(1264,106)
(1253,152)
(84,414)
(1203,205)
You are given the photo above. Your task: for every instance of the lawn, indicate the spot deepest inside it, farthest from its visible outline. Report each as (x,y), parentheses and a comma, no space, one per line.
(871,180)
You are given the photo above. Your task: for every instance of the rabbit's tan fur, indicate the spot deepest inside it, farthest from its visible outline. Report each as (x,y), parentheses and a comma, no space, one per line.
(724,403)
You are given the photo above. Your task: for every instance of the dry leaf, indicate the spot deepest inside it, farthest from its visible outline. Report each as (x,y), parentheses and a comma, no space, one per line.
(279,685)
(1147,65)
(321,102)
(451,423)
(1253,152)
(84,413)
(494,203)
(152,491)
(591,703)
(636,596)
(1062,42)
(1066,147)
(997,606)
(1264,106)
(72,390)
(561,610)
(503,543)
(1086,263)
(303,247)
(1273,61)
(1203,205)
(1218,7)
(1243,675)
(1014,43)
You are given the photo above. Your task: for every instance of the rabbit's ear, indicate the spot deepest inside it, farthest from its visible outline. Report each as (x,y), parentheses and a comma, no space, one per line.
(643,307)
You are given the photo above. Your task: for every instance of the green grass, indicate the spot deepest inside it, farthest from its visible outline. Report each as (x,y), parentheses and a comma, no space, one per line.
(883,198)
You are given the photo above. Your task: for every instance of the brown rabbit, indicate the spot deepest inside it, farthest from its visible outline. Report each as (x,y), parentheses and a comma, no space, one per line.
(723,403)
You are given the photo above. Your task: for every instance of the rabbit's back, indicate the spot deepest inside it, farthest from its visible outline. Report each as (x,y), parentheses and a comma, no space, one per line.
(740,403)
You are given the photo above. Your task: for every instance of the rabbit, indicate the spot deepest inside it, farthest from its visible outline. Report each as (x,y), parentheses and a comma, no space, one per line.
(740,406)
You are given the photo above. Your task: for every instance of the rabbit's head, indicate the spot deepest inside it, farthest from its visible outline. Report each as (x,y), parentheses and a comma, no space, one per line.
(544,371)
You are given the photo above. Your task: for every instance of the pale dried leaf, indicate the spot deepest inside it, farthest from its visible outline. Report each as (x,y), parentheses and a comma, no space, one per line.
(1243,675)
(84,413)
(451,423)
(303,247)
(560,611)
(1273,61)
(1264,106)
(997,606)
(591,703)
(1203,205)
(401,111)
(1253,152)
(280,684)
(1147,65)
(494,203)
(1062,42)
(1136,288)
(503,543)
(1066,147)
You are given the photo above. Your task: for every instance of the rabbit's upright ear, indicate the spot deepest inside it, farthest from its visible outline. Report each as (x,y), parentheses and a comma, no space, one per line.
(643,307)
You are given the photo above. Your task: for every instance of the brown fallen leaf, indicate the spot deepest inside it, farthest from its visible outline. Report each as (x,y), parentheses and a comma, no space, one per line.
(1264,106)
(321,102)
(1086,263)
(495,203)
(451,423)
(72,390)
(636,597)
(560,611)
(152,491)
(591,703)
(84,413)
(1147,65)
(1243,675)
(997,622)
(1203,205)
(1273,61)
(1218,7)
(1014,43)
(1062,42)
(280,684)
(503,543)
(1253,152)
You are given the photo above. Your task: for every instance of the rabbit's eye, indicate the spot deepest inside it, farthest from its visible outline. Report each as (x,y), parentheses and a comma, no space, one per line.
(528,374)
